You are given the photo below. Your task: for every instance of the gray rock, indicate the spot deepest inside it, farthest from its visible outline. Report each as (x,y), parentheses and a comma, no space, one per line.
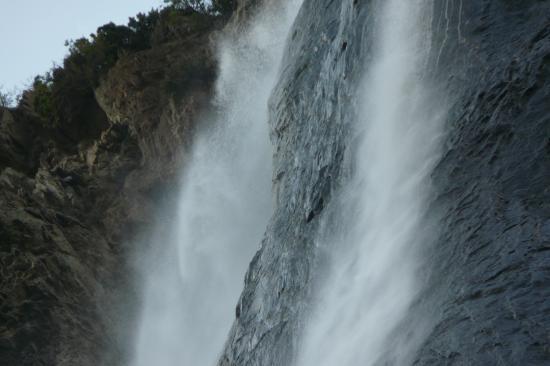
(487,284)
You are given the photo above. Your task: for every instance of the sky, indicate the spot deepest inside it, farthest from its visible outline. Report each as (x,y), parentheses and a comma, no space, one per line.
(33,32)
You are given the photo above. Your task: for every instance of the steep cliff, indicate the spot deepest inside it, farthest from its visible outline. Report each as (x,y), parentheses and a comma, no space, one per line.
(489,285)
(311,114)
(75,195)
(486,278)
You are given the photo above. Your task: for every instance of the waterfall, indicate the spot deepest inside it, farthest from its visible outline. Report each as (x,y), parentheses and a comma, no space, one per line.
(373,277)
(197,267)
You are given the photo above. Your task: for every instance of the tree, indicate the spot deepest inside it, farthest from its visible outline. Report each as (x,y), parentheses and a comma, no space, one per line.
(5,99)
(224,7)
(197,5)
(8,99)
(43,100)
(218,7)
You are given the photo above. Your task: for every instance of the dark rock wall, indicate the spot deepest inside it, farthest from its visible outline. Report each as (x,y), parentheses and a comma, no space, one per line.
(489,289)
(70,200)
(311,112)
(486,297)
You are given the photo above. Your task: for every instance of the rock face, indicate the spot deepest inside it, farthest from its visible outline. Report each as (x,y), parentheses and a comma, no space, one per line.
(310,121)
(490,286)
(487,287)
(72,200)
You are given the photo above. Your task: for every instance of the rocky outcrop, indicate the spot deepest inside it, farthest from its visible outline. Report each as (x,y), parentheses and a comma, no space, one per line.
(75,196)
(144,92)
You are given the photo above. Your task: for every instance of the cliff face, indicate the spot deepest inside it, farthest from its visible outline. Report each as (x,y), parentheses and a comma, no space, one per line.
(489,286)
(310,115)
(486,285)
(75,196)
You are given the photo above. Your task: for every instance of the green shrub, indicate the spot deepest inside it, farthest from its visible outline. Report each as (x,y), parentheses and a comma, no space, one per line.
(95,56)
(224,7)
(6,99)
(43,102)
(9,99)
(221,7)
(62,94)
(195,5)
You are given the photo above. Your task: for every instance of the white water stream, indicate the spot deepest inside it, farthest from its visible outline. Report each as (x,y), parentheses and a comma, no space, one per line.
(373,277)
(196,270)
(193,284)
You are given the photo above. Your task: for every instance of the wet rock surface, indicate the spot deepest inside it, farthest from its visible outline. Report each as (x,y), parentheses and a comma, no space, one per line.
(489,287)
(486,285)
(70,207)
(311,112)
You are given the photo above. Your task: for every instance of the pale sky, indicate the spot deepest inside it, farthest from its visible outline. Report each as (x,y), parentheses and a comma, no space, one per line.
(33,32)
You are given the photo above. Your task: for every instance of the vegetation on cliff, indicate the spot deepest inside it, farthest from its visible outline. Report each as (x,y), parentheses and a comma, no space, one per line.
(62,94)
(86,159)
(217,7)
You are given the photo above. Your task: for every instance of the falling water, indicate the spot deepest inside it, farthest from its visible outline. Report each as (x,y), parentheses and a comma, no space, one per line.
(373,279)
(194,281)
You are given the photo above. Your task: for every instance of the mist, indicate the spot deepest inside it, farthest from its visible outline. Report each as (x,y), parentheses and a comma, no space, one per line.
(372,277)
(194,280)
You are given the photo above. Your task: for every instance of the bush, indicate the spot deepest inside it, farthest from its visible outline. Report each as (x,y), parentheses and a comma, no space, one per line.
(6,99)
(220,7)
(95,56)
(195,5)
(9,99)
(43,101)
(224,7)
(61,96)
